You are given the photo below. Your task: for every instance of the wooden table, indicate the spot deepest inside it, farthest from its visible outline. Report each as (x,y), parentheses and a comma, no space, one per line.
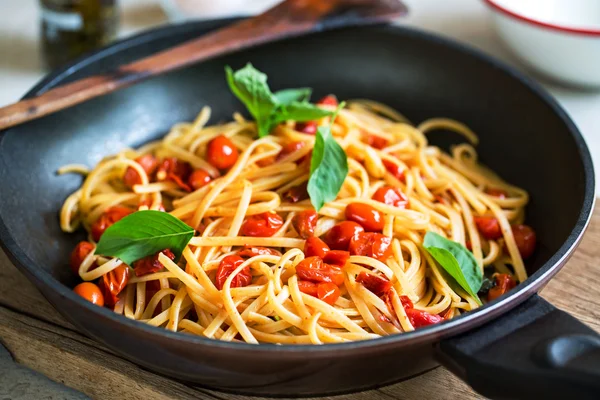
(41,339)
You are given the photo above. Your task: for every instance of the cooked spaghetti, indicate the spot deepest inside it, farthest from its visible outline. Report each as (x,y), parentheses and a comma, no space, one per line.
(264,266)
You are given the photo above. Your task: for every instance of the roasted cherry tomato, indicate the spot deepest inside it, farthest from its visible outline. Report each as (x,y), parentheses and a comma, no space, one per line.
(79,253)
(150,264)
(262,225)
(198,179)
(501,194)
(371,244)
(525,238)
(328,292)
(329,100)
(289,148)
(296,194)
(396,170)
(221,152)
(338,237)
(391,196)
(113,283)
(315,247)
(406,302)
(376,141)
(148,163)
(419,318)
(308,127)
(368,217)
(90,292)
(227,266)
(489,227)
(378,284)
(258,251)
(109,217)
(336,257)
(503,283)
(308,287)
(174,170)
(305,223)
(315,270)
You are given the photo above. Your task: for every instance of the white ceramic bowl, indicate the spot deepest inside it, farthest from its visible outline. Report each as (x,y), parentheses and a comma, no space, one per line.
(558,38)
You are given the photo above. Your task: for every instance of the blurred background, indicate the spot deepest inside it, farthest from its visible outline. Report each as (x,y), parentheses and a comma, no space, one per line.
(36,35)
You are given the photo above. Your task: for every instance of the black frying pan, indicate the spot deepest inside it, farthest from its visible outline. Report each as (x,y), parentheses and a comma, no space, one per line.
(515,347)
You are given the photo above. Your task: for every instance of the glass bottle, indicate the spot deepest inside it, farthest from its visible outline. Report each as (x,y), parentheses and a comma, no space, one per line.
(70,28)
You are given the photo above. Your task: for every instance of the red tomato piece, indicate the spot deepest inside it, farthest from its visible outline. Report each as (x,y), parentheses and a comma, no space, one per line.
(79,253)
(468,245)
(329,100)
(489,227)
(371,244)
(174,170)
(305,223)
(308,127)
(525,238)
(90,292)
(296,194)
(315,270)
(406,302)
(501,194)
(367,216)
(391,196)
(336,257)
(113,283)
(150,264)
(198,179)
(262,225)
(308,287)
(315,247)
(258,251)
(328,292)
(221,152)
(289,148)
(504,283)
(107,219)
(376,141)
(396,170)
(419,318)
(148,163)
(227,266)
(338,237)
(378,284)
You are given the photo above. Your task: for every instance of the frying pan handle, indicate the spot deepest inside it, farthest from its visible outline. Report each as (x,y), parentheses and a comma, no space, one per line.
(534,351)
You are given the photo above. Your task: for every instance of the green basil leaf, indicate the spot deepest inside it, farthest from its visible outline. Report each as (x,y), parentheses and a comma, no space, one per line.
(144,233)
(301,112)
(328,168)
(457,261)
(287,96)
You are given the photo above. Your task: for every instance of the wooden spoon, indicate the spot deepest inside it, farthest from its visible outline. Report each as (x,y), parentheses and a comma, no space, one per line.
(288,19)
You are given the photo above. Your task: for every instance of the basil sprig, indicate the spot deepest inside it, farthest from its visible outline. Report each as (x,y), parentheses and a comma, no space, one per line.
(457,261)
(269,109)
(144,233)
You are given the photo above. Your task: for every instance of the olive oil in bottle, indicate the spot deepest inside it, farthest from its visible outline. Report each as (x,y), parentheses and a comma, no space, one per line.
(73,27)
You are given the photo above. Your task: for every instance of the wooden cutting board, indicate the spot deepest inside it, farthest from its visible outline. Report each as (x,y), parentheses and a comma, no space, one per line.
(38,337)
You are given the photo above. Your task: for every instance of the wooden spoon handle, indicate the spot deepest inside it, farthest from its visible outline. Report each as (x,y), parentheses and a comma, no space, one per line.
(288,19)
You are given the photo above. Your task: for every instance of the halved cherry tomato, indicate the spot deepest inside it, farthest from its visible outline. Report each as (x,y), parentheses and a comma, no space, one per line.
(227,266)
(504,283)
(79,253)
(221,152)
(367,216)
(148,163)
(308,287)
(315,247)
(305,223)
(174,170)
(113,283)
(419,318)
(391,196)
(329,100)
(258,251)
(501,194)
(336,257)
(289,148)
(150,264)
(379,285)
(262,225)
(338,237)
(90,292)
(371,244)
(489,227)
(296,194)
(315,270)
(198,179)
(109,217)
(525,238)
(328,292)
(396,170)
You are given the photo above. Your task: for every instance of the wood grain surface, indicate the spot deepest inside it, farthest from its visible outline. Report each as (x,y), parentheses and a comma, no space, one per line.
(41,339)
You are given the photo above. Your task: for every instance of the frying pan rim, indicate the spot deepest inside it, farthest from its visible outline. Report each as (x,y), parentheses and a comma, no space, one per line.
(429,334)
